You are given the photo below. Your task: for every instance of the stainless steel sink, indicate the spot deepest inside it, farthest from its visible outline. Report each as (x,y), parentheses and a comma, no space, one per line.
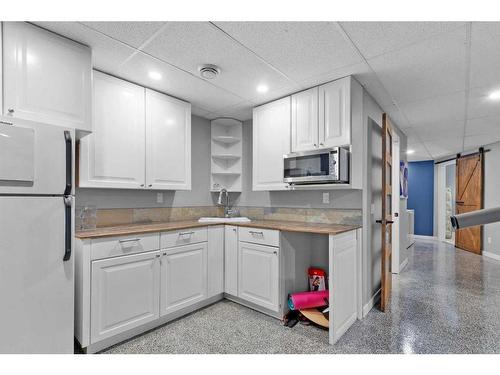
(224,220)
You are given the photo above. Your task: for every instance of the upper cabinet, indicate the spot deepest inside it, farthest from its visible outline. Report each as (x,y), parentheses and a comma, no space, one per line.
(305,120)
(271,140)
(113,156)
(321,116)
(141,139)
(46,77)
(168,142)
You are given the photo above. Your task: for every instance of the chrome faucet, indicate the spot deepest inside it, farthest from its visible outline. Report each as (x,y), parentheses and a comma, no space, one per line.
(224,202)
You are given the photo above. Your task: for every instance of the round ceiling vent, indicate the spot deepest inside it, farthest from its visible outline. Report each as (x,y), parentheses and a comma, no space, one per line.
(209,71)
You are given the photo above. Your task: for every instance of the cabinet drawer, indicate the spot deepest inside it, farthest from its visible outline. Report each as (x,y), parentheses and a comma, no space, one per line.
(268,237)
(183,237)
(124,245)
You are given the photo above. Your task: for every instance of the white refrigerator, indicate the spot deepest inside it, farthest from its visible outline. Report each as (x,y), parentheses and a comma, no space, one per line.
(36,237)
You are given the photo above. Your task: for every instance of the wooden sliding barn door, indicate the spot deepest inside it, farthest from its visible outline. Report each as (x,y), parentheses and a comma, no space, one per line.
(386,220)
(469,197)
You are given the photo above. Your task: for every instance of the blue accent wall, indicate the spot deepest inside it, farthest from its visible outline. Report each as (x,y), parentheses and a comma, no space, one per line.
(421,195)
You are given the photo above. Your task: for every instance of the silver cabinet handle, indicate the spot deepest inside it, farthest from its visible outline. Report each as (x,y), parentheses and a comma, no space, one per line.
(234,229)
(186,233)
(129,240)
(142,185)
(157,255)
(315,145)
(150,185)
(275,252)
(321,144)
(10,110)
(255,232)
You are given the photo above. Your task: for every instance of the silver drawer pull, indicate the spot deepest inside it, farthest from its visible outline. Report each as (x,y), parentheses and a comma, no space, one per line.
(186,233)
(255,232)
(130,240)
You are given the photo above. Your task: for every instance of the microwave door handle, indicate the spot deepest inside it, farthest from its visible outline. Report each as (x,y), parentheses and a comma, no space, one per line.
(67,228)
(69,163)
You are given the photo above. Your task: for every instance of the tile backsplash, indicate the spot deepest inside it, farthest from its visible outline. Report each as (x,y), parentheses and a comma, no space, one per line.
(121,216)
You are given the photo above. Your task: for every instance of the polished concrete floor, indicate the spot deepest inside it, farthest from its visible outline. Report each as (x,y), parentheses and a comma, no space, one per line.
(445,301)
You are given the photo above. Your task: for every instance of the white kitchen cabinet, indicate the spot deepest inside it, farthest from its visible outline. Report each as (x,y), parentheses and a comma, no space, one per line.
(183,277)
(335,113)
(271,140)
(113,156)
(215,260)
(124,293)
(168,142)
(231,260)
(46,77)
(258,275)
(305,131)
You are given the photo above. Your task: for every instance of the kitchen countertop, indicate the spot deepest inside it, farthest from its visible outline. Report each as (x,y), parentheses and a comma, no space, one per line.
(287,226)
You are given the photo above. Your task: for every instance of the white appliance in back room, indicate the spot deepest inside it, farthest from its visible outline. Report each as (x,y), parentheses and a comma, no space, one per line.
(36,237)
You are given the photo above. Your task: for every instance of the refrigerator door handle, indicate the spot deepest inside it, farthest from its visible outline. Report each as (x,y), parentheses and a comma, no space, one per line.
(67,229)
(69,163)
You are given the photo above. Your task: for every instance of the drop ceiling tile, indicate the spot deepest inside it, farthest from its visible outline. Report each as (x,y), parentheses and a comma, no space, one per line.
(419,151)
(177,83)
(485,54)
(476,141)
(190,44)
(396,117)
(299,49)
(275,94)
(376,38)
(131,33)
(436,110)
(375,88)
(357,70)
(241,111)
(200,112)
(107,53)
(480,105)
(483,126)
(424,70)
(445,146)
(440,131)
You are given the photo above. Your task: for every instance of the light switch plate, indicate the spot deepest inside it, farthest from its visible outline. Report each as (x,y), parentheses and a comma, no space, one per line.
(159,197)
(326,198)
(489,240)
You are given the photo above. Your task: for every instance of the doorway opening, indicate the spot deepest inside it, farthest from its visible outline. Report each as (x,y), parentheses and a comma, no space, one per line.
(446,188)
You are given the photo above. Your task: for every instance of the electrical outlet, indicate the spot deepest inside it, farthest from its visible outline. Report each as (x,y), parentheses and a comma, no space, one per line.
(326,198)
(159,197)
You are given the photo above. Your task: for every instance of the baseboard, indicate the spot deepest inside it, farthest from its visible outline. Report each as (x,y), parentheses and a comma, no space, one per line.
(420,237)
(403,265)
(372,302)
(491,255)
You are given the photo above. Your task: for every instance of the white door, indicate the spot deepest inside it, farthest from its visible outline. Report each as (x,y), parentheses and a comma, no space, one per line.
(398,254)
(113,156)
(125,293)
(231,260)
(335,113)
(183,277)
(33,157)
(46,77)
(168,142)
(258,275)
(305,120)
(36,285)
(215,260)
(271,140)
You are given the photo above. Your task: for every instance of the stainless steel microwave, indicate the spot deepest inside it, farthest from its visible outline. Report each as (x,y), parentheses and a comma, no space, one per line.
(329,165)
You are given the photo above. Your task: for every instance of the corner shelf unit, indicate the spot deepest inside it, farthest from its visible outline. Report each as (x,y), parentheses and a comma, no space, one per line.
(226,152)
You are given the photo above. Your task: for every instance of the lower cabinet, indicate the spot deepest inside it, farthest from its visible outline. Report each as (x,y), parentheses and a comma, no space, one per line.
(231,260)
(258,275)
(124,294)
(183,277)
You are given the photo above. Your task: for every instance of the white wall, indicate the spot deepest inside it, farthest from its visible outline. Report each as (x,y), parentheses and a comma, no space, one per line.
(492,196)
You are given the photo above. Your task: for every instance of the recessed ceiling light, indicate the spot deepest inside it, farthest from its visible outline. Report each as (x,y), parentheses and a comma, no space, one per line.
(495,95)
(262,88)
(155,75)
(409,152)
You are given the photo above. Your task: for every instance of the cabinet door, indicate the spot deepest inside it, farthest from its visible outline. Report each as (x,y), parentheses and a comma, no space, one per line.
(305,120)
(271,140)
(334,113)
(215,260)
(47,78)
(183,277)
(231,260)
(258,275)
(113,156)
(168,142)
(125,293)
